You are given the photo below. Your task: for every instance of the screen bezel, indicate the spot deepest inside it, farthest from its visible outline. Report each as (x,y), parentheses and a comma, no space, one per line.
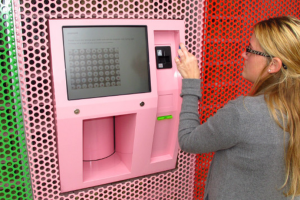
(145,28)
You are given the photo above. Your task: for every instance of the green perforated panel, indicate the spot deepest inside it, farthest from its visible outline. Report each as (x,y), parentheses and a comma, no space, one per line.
(14,174)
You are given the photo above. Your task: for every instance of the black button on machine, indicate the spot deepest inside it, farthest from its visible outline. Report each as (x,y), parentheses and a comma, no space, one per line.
(163,57)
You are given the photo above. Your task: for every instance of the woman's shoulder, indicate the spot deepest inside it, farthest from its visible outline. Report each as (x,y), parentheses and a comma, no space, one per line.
(249,103)
(250,99)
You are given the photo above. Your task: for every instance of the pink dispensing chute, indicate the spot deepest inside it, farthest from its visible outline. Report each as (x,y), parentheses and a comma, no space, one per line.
(98,139)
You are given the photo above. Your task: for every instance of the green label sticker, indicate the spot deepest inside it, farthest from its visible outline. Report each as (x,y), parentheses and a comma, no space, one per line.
(164,117)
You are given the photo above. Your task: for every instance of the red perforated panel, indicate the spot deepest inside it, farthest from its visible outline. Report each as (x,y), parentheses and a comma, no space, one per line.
(227,29)
(37,96)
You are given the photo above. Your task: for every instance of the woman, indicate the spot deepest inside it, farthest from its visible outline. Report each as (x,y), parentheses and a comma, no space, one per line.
(256,139)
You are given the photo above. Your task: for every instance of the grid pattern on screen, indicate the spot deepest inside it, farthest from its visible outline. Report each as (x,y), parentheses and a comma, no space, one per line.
(14,169)
(226,32)
(37,96)
(93,68)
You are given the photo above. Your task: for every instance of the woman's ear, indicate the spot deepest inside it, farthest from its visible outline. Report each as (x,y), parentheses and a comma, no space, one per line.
(275,65)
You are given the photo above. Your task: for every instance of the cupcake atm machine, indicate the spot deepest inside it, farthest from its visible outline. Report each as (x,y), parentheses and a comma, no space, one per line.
(116,98)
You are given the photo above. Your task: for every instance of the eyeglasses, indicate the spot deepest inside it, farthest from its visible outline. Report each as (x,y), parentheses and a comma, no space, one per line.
(249,50)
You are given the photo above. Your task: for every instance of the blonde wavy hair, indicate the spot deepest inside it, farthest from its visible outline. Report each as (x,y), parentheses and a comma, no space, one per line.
(280,37)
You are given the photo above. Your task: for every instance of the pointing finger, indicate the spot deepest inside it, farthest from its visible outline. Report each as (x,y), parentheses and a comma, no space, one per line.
(180,53)
(183,49)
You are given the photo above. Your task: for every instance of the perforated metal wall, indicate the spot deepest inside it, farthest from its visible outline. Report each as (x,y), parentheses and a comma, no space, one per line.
(14,171)
(32,46)
(226,32)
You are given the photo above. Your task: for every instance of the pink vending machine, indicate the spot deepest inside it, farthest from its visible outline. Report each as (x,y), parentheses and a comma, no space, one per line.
(116,98)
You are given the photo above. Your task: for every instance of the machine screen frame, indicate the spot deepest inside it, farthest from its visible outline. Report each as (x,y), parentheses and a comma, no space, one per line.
(147,63)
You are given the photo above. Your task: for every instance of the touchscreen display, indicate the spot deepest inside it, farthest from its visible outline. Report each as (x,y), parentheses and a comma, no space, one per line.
(106,61)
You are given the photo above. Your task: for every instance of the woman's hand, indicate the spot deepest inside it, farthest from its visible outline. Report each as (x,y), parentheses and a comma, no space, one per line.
(187,63)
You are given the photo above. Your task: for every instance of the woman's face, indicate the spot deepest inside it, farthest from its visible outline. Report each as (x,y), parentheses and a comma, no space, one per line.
(253,64)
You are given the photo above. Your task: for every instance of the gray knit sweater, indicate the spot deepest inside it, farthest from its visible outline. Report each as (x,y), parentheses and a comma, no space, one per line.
(249,146)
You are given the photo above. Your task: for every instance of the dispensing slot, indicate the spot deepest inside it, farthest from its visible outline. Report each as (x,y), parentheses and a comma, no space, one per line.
(98,138)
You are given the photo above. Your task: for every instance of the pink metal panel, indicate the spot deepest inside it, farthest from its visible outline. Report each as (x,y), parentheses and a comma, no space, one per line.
(37,94)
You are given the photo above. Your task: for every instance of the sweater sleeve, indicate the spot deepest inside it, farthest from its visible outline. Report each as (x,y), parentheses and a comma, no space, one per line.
(219,132)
